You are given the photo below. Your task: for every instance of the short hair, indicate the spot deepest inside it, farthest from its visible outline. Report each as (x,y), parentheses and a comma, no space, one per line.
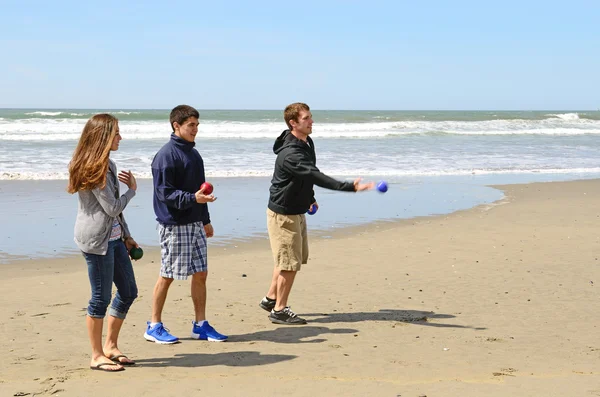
(181,113)
(292,112)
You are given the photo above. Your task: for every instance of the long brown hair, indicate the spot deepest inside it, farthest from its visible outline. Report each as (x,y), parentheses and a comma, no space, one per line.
(89,165)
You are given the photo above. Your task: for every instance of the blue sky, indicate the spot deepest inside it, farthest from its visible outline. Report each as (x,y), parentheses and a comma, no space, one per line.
(454,55)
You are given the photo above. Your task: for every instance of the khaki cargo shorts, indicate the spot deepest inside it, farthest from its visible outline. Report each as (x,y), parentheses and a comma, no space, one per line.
(289,240)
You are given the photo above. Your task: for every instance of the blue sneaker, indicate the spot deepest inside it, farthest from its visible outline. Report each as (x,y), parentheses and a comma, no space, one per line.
(207,332)
(159,334)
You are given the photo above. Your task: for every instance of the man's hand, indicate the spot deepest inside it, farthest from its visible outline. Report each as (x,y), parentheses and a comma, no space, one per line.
(359,187)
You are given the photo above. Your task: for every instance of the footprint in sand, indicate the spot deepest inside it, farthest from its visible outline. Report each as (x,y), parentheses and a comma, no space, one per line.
(505,372)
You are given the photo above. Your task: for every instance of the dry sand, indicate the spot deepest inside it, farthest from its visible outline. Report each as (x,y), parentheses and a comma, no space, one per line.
(499,300)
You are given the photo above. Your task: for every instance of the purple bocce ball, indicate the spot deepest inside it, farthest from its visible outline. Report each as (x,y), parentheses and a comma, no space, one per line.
(382,186)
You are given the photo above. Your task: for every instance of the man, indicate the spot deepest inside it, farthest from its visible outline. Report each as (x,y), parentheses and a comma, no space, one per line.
(183,225)
(291,195)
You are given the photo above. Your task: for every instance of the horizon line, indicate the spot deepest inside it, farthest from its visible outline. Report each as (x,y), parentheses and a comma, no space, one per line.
(316,109)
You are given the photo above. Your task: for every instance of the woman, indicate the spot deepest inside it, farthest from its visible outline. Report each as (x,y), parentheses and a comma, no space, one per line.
(102,235)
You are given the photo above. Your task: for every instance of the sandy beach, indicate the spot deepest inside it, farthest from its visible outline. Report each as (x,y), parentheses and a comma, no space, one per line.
(498,300)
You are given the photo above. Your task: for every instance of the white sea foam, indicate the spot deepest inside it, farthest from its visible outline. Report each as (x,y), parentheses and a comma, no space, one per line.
(355,172)
(565,116)
(41,113)
(70,129)
(340,173)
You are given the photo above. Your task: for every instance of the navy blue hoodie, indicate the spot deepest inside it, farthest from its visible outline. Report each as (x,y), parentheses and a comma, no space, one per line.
(177,173)
(295,174)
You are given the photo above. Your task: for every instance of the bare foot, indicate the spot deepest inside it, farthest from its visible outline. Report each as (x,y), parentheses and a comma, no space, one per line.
(116,356)
(104,364)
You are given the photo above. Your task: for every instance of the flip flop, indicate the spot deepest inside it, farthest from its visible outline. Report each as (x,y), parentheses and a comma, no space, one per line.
(100,367)
(116,360)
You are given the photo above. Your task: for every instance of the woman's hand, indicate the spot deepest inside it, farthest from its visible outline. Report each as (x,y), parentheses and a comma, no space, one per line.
(128,179)
(130,243)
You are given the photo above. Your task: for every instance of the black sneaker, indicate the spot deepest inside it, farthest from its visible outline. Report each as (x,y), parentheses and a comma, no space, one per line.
(267,304)
(286,316)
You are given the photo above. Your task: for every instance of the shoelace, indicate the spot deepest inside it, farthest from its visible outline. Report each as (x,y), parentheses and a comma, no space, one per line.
(289,312)
(162,329)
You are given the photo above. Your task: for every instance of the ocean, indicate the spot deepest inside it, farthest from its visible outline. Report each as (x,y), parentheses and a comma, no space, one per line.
(38,144)
(434,162)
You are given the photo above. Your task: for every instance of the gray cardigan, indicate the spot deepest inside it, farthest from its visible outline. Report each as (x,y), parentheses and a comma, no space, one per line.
(96,213)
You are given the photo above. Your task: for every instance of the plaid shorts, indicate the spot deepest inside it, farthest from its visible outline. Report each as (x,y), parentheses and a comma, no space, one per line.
(183,250)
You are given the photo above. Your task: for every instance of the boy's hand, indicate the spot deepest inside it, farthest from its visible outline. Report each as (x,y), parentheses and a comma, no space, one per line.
(208,229)
(202,198)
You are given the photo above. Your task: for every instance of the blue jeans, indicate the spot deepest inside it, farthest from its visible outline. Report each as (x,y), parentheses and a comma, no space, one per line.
(103,270)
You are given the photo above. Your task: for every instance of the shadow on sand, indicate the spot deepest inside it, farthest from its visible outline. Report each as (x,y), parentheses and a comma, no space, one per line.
(291,334)
(416,317)
(303,333)
(231,359)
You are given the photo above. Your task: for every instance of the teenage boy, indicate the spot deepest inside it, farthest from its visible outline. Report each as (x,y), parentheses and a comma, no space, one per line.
(183,225)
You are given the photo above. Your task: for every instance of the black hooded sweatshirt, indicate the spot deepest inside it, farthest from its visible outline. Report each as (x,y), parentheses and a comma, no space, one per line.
(295,174)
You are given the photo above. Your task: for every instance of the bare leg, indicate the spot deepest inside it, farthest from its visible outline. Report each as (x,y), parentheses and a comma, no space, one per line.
(284,287)
(199,295)
(111,348)
(272,294)
(110,345)
(159,297)
(94,327)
